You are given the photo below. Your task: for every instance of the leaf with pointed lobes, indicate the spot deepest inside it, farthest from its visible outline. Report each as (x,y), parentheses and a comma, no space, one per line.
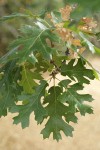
(77,71)
(72,97)
(13,16)
(31,42)
(9,88)
(33,105)
(56,112)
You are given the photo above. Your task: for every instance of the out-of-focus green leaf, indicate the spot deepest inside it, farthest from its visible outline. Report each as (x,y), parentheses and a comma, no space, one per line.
(13,16)
(56,16)
(98,35)
(97,50)
(89,44)
(85,8)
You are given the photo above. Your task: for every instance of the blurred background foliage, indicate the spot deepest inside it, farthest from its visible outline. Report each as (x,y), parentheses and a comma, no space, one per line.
(9,30)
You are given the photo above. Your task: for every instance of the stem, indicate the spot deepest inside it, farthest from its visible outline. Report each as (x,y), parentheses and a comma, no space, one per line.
(55,97)
(57,68)
(49,80)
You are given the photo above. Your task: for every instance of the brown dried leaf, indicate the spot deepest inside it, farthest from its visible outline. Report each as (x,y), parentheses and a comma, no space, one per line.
(76,42)
(65,12)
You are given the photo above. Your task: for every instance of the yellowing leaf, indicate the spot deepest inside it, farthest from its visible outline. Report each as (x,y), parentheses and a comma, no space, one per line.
(27,81)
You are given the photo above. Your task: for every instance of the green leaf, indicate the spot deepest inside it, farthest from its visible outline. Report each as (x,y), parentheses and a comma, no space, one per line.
(28,30)
(4,59)
(26,47)
(9,86)
(40,24)
(89,44)
(56,16)
(56,124)
(84,8)
(55,111)
(34,104)
(97,50)
(41,65)
(77,71)
(27,81)
(71,96)
(71,117)
(13,16)
(98,36)
(95,72)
